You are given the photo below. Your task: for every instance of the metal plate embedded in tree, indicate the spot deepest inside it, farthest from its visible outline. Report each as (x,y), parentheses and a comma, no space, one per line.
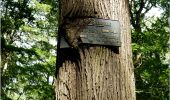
(63,43)
(102,32)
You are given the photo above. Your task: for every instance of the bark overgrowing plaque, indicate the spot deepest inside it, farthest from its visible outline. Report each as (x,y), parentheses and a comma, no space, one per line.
(101,32)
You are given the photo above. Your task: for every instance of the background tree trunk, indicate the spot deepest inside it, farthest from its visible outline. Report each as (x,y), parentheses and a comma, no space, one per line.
(92,72)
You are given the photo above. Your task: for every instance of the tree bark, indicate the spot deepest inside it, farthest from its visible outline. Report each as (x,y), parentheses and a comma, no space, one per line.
(93,72)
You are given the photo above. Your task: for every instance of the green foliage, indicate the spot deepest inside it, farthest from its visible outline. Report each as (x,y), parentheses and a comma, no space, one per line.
(28,55)
(150,45)
(151,72)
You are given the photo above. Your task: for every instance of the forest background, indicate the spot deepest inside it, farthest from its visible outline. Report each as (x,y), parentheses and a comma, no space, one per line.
(28,48)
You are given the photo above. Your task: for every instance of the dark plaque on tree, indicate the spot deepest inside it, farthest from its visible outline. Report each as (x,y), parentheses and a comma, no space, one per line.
(101,32)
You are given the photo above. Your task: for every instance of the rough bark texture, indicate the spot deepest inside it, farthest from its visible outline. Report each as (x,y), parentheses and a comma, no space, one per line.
(90,72)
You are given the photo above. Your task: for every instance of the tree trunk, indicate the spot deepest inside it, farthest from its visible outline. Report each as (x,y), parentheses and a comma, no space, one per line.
(93,72)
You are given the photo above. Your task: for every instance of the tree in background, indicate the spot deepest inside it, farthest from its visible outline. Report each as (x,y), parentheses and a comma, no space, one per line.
(28,55)
(94,72)
(150,44)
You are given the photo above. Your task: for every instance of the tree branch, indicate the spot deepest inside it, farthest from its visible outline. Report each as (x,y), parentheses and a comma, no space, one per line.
(131,14)
(138,16)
